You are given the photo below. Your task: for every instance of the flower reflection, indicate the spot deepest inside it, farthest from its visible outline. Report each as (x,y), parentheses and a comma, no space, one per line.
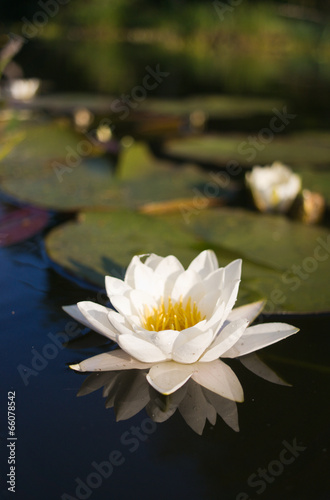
(128,392)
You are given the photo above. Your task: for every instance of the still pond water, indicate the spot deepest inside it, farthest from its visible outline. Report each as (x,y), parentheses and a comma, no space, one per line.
(73,448)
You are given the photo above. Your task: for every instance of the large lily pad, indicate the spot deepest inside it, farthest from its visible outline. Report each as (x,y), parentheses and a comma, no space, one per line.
(283,261)
(100,244)
(50,169)
(298,150)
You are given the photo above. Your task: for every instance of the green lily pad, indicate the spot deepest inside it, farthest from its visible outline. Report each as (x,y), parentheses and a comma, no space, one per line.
(285,262)
(100,244)
(212,105)
(67,103)
(49,168)
(296,150)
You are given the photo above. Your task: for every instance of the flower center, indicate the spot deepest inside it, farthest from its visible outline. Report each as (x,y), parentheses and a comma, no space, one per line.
(171,316)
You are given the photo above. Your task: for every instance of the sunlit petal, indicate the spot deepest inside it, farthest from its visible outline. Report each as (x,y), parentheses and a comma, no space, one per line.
(248,311)
(259,336)
(204,263)
(219,378)
(110,361)
(115,286)
(225,340)
(141,349)
(191,344)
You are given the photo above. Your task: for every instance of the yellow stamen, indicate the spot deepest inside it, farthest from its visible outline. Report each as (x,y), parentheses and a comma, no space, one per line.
(172,316)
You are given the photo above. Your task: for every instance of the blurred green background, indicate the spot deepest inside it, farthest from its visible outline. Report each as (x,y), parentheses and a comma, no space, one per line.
(235,47)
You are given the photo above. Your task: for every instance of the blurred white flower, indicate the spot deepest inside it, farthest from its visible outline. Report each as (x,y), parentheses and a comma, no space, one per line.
(23,89)
(274,188)
(177,323)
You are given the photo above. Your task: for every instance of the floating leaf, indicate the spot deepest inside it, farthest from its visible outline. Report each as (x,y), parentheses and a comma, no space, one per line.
(283,261)
(211,105)
(296,150)
(104,243)
(34,172)
(18,224)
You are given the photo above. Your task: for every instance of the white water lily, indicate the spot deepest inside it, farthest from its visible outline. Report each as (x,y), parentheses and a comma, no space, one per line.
(178,323)
(274,188)
(22,89)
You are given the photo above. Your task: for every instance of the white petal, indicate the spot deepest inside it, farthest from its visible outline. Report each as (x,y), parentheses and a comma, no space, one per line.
(225,340)
(97,316)
(168,377)
(191,344)
(196,293)
(141,349)
(143,278)
(122,304)
(119,323)
(259,336)
(208,303)
(153,260)
(167,272)
(233,271)
(219,378)
(184,283)
(217,319)
(165,340)
(115,286)
(168,266)
(249,311)
(140,300)
(229,296)
(204,263)
(74,311)
(110,361)
(129,276)
(215,280)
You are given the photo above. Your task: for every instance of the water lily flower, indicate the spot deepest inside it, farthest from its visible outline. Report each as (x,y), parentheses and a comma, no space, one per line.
(23,89)
(178,323)
(274,188)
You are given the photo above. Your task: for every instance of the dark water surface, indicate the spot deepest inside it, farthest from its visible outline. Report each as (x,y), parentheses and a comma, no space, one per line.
(62,439)
(63,442)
